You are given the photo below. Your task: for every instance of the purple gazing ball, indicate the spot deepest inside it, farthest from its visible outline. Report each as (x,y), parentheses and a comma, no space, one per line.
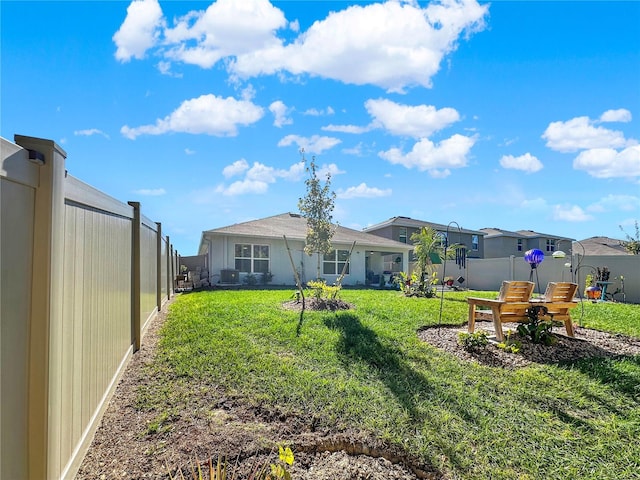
(534,257)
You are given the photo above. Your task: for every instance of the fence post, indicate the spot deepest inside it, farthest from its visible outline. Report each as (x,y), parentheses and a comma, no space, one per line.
(46,306)
(135,278)
(169,269)
(159,266)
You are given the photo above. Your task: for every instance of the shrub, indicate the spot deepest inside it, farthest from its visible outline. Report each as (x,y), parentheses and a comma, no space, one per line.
(473,341)
(320,290)
(510,346)
(221,471)
(537,329)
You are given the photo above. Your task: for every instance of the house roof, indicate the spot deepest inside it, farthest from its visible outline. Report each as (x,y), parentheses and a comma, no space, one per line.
(294,226)
(499,232)
(600,246)
(411,222)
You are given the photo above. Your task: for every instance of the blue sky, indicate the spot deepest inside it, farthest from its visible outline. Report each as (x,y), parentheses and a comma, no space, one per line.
(516,115)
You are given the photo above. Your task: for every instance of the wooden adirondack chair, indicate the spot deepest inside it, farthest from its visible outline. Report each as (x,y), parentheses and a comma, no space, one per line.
(558,298)
(510,306)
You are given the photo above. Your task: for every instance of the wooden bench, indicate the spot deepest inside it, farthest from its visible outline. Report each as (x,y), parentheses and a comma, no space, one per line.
(514,299)
(510,306)
(559,300)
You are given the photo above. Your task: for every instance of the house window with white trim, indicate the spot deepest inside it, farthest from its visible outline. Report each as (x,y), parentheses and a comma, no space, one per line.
(519,244)
(252,258)
(334,261)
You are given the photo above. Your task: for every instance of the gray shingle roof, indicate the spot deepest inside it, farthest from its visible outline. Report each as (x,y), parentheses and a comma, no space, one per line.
(411,222)
(600,246)
(294,226)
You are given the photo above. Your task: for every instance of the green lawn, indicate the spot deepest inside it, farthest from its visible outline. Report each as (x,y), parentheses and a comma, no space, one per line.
(366,369)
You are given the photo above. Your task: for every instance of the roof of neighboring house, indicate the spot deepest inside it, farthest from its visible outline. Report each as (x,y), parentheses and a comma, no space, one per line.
(294,226)
(411,222)
(498,232)
(600,246)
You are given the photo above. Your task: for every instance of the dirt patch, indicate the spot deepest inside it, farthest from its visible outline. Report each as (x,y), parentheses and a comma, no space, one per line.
(586,344)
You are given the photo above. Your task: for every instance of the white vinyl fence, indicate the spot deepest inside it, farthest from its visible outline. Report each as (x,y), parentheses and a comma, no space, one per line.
(82,276)
(488,273)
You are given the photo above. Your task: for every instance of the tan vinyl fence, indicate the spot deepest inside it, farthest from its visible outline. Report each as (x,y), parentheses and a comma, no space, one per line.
(82,276)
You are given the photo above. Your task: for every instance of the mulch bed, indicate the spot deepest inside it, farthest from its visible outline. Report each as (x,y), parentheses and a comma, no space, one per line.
(587,343)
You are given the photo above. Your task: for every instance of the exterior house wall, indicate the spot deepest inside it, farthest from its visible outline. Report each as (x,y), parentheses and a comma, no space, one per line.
(222,257)
(503,246)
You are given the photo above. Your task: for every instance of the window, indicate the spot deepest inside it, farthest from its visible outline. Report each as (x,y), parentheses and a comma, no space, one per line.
(519,244)
(474,243)
(333,262)
(402,234)
(252,258)
(441,238)
(551,245)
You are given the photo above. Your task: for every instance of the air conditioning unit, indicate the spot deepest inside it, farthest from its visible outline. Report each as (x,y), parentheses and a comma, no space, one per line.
(229,276)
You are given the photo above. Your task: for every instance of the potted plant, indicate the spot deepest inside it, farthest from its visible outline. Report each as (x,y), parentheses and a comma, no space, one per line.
(448,281)
(592,291)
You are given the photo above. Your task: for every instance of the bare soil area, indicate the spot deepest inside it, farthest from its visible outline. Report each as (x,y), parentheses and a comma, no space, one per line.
(134,443)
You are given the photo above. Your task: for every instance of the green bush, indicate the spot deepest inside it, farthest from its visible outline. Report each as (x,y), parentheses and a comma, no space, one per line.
(473,341)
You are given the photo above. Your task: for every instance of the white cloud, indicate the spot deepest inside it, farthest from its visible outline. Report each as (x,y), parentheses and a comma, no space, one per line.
(257,177)
(357,150)
(280,112)
(236,168)
(363,191)
(425,155)
(295,172)
(139,31)
(611,202)
(89,132)
(393,45)
(188,151)
(570,213)
(580,133)
(331,169)
(347,128)
(535,204)
(150,192)
(415,121)
(244,187)
(619,115)
(527,163)
(226,28)
(608,163)
(314,144)
(314,112)
(207,114)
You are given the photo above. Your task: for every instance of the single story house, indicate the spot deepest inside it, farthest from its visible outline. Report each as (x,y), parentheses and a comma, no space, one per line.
(258,248)
(500,243)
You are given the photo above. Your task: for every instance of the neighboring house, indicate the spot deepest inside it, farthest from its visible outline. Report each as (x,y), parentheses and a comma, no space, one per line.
(600,246)
(401,229)
(500,243)
(258,247)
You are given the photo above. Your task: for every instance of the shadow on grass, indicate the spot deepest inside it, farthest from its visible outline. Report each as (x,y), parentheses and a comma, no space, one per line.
(361,343)
(621,374)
